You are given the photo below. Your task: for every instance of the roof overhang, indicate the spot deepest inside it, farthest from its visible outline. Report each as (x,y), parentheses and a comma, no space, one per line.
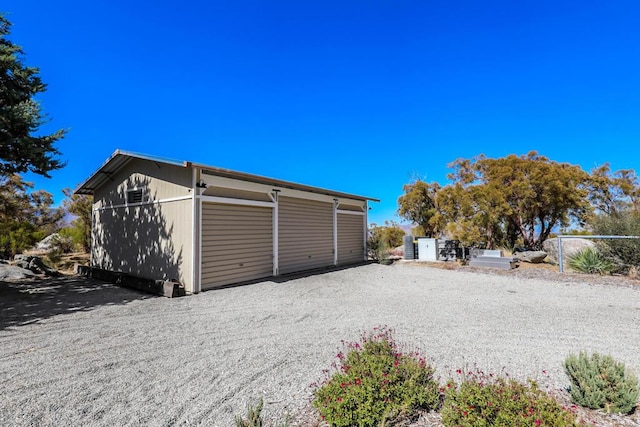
(120,158)
(112,165)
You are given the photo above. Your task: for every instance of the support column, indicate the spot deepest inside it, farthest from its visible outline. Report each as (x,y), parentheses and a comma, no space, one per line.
(275,221)
(336,203)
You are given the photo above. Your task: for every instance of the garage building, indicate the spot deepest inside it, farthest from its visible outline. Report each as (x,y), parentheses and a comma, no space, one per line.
(208,227)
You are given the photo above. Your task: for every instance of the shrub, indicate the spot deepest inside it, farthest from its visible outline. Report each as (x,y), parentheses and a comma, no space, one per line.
(487,400)
(254,418)
(624,252)
(374,382)
(381,239)
(590,261)
(17,236)
(600,382)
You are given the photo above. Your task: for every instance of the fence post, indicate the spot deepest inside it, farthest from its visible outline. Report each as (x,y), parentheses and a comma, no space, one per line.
(560,254)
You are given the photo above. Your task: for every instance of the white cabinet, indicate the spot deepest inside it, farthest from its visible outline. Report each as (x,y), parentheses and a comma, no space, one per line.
(427,249)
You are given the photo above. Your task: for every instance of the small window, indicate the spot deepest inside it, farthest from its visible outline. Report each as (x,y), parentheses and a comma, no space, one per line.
(135,196)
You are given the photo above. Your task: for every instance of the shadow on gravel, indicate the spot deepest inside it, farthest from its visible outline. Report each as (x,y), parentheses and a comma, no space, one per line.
(291,276)
(25,302)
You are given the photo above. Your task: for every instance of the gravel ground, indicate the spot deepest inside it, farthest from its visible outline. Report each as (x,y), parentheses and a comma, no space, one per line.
(80,352)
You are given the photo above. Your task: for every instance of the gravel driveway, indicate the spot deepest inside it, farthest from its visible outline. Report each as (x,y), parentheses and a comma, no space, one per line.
(81,352)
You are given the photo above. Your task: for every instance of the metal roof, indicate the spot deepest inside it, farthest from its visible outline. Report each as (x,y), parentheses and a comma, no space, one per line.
(120,158)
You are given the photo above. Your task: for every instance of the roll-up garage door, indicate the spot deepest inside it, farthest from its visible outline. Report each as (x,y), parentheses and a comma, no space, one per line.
(305,234)
(237,244)
(350,238)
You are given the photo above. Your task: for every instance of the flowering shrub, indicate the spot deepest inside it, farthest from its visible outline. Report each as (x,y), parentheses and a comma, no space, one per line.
(599,382)
(375,381)
(487,400)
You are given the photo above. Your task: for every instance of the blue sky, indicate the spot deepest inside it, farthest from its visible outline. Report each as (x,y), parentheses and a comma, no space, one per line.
(355,96)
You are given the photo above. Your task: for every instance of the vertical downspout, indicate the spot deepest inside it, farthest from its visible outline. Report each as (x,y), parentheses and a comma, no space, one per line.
(274,223)
(335,231)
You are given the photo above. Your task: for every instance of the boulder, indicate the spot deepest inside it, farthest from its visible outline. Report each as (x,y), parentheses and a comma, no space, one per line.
(569,247)
(12,272)
(48,242)
(533,257)
(35,264)
(398,251)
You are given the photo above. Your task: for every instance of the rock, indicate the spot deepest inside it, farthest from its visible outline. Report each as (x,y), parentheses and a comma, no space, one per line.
(12,272)
(22,260)
(35,264)
(398,251)
(569,247)
(534,257)
(48,242)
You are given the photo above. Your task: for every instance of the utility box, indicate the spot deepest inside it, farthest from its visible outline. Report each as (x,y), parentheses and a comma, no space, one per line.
(427,249)
(409,247)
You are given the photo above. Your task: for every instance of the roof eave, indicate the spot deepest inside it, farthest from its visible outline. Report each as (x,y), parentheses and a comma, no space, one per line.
(120,158)
(227,173)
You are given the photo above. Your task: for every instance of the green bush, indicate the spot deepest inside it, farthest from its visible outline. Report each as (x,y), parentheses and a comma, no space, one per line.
(375,382)
(486,400)
(590,261)
(17,236)
(599,382)
(383,238)
(624,253)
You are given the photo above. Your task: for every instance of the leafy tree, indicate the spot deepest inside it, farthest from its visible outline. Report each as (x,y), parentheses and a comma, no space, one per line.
(25,217)
(21,114)
(514,197)
(613,192)
(471,214)
(80,206)
(418,204)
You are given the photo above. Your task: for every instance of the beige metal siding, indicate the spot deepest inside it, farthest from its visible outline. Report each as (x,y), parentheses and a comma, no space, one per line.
(237,244)
(350,238)
(151,241)
(305,231)
(159,180)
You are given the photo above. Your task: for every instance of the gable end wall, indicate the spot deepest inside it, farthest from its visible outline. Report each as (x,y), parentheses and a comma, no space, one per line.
(152,239)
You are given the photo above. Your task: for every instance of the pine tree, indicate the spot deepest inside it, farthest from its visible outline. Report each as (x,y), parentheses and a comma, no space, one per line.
(21,150)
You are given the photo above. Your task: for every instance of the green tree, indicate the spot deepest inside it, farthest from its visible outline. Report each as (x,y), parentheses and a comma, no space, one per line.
(470,214)
(25,216)
(611,193)
(81,207)
(418,204)
(21,114)
(515,197)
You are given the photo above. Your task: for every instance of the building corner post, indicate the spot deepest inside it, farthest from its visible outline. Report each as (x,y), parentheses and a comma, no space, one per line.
(196,232)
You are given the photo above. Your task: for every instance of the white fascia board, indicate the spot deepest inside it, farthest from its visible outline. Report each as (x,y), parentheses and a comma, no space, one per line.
(232,201)
(340,211)
(235,184)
